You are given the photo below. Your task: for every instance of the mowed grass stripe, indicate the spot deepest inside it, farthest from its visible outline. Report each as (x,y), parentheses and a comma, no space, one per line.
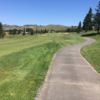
(17,44)
(10,45)
(22,73)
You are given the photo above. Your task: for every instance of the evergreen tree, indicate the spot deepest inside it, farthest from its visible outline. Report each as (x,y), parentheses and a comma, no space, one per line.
(24,32)
(97,18)
(1,31)
(31,31)
(19,31)
(14,31)
(88,23)
(79,28)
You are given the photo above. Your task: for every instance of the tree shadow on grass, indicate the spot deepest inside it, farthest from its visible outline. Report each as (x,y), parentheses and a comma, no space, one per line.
(89,34)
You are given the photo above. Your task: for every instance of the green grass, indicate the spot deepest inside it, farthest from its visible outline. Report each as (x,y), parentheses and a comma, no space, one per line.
(24,63)
(15,44)
(92,53)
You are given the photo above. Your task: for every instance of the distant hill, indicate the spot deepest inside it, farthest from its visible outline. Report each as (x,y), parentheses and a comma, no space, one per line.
(10,27)
(49,27)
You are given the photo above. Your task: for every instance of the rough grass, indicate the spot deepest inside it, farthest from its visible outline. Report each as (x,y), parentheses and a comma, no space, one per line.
(92,53)
(22,71)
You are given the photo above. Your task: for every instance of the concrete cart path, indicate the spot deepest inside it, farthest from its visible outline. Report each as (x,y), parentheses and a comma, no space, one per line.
(71,77)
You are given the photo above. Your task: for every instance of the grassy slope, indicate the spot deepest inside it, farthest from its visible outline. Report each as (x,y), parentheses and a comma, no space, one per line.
(21,73)
(92,53)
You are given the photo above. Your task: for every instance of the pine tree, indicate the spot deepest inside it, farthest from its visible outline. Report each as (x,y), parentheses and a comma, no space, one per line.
(24,32)
(88,23)
(97,18)
(1,31)
(79,28)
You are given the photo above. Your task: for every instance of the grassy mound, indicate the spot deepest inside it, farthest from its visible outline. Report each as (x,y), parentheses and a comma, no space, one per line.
(92,53)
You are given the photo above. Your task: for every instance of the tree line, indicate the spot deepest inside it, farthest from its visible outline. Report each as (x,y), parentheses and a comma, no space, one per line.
(91,21)
(1,31)
(36,29)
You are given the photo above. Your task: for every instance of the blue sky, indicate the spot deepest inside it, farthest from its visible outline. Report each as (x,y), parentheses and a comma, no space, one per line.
(65,12)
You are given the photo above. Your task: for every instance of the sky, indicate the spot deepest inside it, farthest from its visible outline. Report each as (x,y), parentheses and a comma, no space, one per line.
(44,12)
